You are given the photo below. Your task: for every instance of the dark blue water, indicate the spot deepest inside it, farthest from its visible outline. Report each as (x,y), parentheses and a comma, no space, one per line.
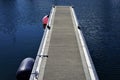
(21,32)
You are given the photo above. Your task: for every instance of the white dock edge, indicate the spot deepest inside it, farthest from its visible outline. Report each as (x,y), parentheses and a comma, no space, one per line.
(36,68)
(86,54)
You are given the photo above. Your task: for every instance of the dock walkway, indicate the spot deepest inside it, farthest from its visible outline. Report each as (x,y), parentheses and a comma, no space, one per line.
(66,59)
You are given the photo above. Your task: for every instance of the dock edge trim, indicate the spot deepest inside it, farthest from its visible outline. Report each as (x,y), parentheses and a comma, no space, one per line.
(88,59)
(36,68)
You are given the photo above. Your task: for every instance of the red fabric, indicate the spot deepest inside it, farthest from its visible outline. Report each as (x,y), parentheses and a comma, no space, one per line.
(45,20)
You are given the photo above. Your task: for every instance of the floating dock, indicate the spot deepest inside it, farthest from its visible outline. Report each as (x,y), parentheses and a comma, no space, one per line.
(63,54)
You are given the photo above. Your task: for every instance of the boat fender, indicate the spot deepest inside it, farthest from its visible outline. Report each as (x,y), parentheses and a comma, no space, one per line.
(45,21)
(25,69)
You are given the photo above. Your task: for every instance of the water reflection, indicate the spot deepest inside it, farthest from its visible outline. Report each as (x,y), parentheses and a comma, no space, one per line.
(101,30)
(20,33)
(7,18)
